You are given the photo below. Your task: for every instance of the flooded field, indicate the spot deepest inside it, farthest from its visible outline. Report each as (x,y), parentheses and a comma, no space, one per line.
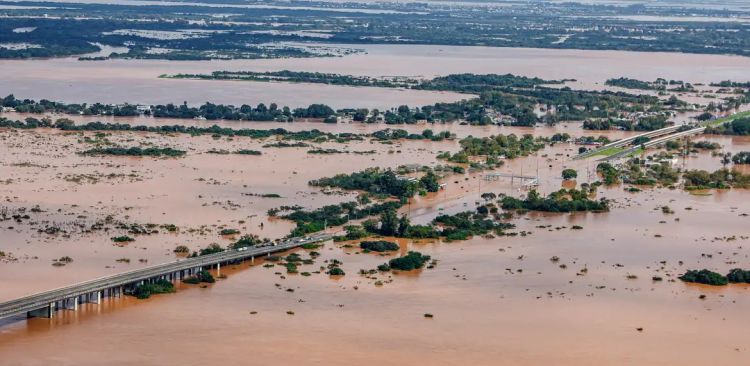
(136,81)
(499,301)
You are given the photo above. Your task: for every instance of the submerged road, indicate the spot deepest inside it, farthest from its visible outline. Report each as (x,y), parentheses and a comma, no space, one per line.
(45,303)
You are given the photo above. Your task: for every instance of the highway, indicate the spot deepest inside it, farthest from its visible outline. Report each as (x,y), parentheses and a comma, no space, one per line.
(628,140)
(171,270)
(660,132)
(653,143)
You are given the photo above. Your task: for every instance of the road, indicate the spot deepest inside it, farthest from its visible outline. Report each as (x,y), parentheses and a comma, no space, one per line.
(44,299)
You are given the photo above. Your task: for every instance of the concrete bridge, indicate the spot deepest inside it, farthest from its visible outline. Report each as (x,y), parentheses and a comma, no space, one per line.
(654,142)
(628,140)
(673,132)
(44,304)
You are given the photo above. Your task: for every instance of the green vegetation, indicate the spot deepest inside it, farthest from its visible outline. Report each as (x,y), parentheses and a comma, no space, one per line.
(705,277)
(706,145)
(737,124)
(411,261)
(247,241)
(494,148)
(389,134)
(211,249)
(609,172)
(181,249)
(564,200)
(134,151)
(742,157)
(287,144)
(610,151)
(331,215)
(464,225)
(299,77)
(171,33)
(738,275)
(202,276)
(160,286)
(353,232)
(68,125)
(247,152)
(464,83)
(380,182)
(645,123)
(379,246)
(336,271)
(569,174)
(122,239)
(721,179)
(632,84)
(634,172)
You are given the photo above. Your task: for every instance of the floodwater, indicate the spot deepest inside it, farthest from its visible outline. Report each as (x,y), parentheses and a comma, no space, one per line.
(498,301)
(495,301)
(136,81)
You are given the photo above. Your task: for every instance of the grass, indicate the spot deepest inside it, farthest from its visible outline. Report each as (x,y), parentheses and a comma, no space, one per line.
(731,118)
(609,151)
(637,151)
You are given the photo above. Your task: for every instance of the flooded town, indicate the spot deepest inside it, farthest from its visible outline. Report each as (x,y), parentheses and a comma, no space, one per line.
(263,182)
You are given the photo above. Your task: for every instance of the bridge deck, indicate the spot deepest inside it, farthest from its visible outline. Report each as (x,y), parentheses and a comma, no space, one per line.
(43,299)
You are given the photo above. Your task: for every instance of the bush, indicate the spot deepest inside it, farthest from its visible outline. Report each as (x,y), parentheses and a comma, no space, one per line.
(336,271)
(569,174)
(202,276)
(704,276)
(147,289)
(122,239)
(413,260)
(738,276)
(742,157)
(135,151)
(379,246)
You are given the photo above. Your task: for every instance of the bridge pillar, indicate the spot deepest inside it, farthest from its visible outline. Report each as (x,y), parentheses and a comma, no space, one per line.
(45,312)
(218,269)
(70,304)
(252,260)
(94,297)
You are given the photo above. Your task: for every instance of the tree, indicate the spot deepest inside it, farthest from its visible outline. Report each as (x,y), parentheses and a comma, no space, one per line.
(430,182)
(403,225)
(370,226)
(488,196)
(569,174)
(483,210)
(742,157)
(389,223)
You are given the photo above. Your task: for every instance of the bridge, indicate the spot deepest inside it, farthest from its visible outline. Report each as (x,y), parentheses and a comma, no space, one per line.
(652,143)
(611,152)
(627,141)
(44,304)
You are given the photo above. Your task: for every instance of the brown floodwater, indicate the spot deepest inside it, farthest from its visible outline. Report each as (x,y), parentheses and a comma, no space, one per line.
(136,81)
(495,301)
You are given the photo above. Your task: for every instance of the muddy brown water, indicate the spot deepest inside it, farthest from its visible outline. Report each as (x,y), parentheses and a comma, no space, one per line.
(498,301)
(136,81)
